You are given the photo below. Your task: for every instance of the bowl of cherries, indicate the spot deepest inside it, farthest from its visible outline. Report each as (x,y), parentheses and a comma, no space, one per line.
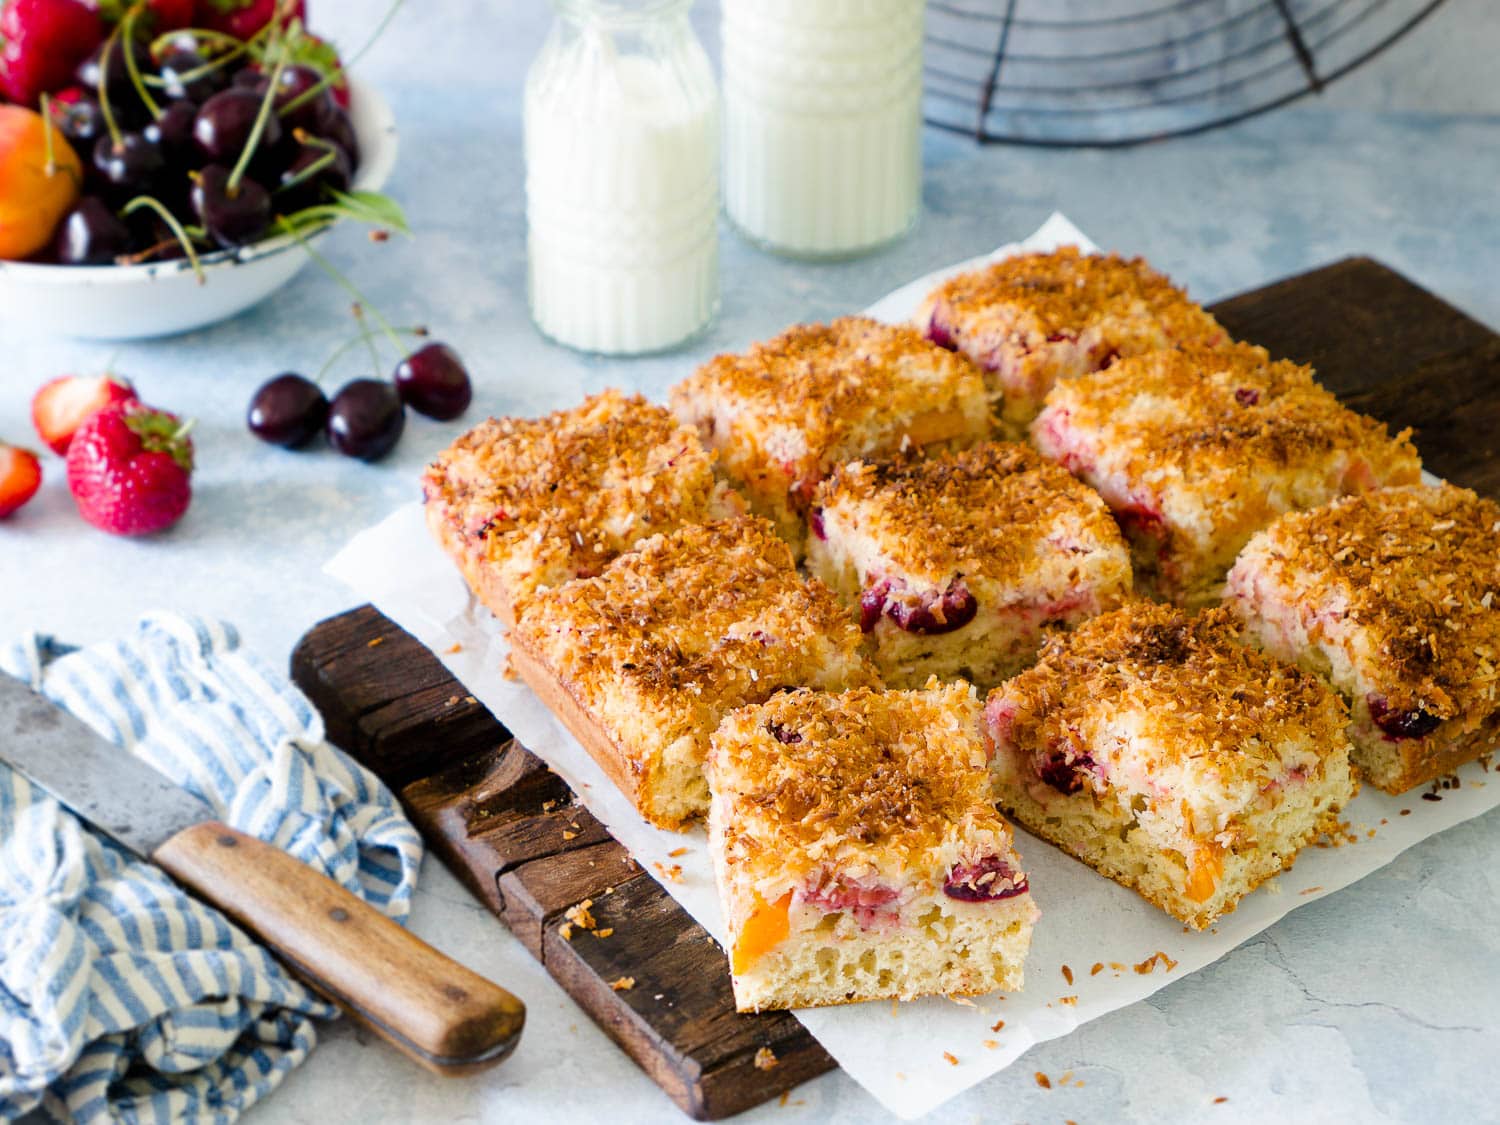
(165,164)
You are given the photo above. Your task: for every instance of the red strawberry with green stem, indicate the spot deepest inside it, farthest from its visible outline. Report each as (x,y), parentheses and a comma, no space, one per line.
(67,402)
(130,469)
(20,477)
(243,18)
(41,43)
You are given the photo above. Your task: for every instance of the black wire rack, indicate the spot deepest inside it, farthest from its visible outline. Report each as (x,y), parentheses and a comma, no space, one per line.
(1110,73)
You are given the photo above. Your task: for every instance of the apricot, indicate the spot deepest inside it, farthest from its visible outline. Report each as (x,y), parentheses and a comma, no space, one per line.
(766,928)
(33,196)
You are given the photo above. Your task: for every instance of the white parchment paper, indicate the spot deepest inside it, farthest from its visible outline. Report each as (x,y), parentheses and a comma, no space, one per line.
(904,1054)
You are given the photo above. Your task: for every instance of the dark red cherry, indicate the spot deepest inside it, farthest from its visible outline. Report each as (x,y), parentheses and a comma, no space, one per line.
(224,124)
(316,114)
(91,234)
(132,165)
(231,218)
(340,130)
(434,382)
(365,419)
(76,113)
(783,733)
(991,879)
(1064,770)
(334,175)
(183,76)
(173,130)
(938,333)
(289,410)
(1397,724)
(250,78)
(123,98)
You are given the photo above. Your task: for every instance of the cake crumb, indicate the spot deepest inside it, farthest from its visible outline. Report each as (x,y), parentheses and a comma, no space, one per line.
(566,930)
(676,852)
(1150,963)
(580,916)
(1406,812)
(470,699)
(991,1044)
(1067,999)
(1067,974)
(1431,797)
(452,699)
(548,806)
(373,641)
(951,1057)
(1043,1081)
(765,1059)
(962,1000)
(569,835)
(605,932)
(1097,969)
(997,1025)
(1220,1100)
(1311,890)
(671,874)
(454,647)
(622,984)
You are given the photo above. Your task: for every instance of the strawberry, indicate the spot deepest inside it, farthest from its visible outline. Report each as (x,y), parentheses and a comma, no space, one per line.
(20,477)
(41,43)
(67,402)
(130,469)
(243,18)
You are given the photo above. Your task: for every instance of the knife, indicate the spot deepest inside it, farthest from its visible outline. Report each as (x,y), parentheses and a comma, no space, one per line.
(435,1011)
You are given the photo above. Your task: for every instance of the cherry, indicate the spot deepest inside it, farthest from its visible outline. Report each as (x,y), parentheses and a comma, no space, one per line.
(225,121)
(120,91)
(250,78)
(316,114)
(782,733)
(231,218)
(991,879)
(938,333)
(954,608)
(293,196)
(76,113)
(1397,724)
(340,130)
(289,411)
(179,62)
(91,234)
(434,382)
(174,131)
(365,419)
(133,164)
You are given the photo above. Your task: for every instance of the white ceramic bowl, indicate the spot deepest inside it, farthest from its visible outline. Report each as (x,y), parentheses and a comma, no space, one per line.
(163,298)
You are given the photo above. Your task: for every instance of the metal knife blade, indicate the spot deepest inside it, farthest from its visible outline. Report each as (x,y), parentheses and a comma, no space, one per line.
(115,792)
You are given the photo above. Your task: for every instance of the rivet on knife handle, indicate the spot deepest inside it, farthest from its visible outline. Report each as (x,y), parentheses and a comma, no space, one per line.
(430,1007)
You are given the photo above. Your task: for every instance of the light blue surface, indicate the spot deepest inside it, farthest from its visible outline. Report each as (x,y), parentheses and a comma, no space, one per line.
(1377,1004)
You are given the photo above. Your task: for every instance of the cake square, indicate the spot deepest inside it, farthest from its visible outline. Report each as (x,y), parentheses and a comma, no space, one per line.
(522,503)
(784,413)
(858,852)
(1394,596)
(956,563)
(1033,319)
(1197,449)
(642,662)
(1166,754)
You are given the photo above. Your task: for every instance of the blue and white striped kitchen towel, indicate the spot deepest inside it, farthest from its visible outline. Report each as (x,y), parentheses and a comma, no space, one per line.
(121,998)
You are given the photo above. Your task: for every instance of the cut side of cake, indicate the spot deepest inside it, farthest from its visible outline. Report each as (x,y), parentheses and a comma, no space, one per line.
(1197,449)
(1033,319)
(1168,755)
(783,414)
(858,852)
(1394,596)
(956,563)
(525,503)
(643,661)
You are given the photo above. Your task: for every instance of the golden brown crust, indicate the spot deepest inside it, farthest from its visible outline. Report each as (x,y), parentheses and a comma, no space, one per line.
(869,780)
(1418,571)
(1202,695)
(985,510)
(1064,291)
(782,414)
(1226,409)
(659,647)
(522,503)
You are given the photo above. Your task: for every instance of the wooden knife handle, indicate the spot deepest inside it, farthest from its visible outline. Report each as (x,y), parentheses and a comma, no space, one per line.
(434,1010)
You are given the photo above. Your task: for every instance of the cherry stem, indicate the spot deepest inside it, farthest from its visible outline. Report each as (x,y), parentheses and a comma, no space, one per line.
(128,26)
(332,271)
(205,34)
(47,127)
(338,352)
(308,173)
(369,338)
(173,224)
(257,131)
(338,72)
(102,89)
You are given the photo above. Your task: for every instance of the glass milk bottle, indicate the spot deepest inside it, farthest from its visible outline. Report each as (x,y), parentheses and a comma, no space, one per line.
(822,122)
(622,178)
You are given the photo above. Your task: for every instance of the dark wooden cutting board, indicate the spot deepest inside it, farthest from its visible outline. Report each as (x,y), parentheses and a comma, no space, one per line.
(517,836)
